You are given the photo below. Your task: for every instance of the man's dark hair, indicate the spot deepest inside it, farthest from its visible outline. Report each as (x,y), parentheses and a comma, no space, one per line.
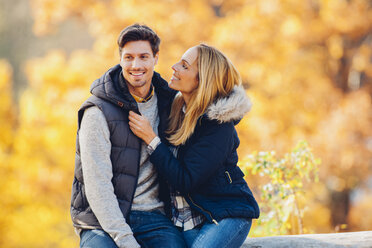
(137,32)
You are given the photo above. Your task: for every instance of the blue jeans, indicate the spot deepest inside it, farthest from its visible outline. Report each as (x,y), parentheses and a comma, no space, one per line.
(96,238)
(229,233)
(151,229)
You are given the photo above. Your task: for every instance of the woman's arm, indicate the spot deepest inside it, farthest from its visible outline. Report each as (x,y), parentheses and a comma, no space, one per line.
(201,160)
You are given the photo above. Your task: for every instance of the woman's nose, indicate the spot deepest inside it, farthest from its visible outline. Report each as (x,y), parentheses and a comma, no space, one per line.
(174,67)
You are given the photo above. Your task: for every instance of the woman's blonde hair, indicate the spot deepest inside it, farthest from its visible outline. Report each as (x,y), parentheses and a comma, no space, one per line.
(217,77)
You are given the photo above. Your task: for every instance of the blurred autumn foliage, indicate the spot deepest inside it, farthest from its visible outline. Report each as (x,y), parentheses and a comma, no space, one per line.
(306,65)
(282,210)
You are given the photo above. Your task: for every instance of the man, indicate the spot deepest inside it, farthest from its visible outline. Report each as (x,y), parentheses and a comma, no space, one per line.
(117,199)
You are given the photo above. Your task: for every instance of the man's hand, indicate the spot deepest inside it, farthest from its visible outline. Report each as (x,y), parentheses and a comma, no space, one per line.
(141,127)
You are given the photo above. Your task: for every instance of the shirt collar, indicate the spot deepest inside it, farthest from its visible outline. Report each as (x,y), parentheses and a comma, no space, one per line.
(147,98)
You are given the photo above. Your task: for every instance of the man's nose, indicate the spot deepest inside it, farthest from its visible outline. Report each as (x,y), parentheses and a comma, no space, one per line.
(136,63)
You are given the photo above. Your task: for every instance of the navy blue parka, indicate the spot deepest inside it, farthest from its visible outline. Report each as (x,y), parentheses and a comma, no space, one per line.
(205,170)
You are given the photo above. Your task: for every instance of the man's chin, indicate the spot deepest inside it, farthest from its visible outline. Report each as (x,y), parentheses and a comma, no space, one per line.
(137,84)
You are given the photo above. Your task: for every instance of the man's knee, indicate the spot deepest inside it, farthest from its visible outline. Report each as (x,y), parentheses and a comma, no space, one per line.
(96,238)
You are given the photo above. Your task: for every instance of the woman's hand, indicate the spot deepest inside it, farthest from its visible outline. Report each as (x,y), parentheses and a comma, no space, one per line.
(141,127)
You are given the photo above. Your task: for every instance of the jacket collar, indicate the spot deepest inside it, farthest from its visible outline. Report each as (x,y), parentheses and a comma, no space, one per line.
(109,88)
(230,108)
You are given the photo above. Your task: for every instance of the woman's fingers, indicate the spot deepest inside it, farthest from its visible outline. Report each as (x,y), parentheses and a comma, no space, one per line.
(135,129)
(135,124)
(135,121)
(141,127)
(135,116)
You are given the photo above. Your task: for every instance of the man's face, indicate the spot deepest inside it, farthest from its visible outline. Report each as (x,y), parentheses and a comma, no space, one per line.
(137,62)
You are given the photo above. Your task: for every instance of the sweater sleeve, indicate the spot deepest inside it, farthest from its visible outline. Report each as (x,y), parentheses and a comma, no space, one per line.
(203,156)
(95,149)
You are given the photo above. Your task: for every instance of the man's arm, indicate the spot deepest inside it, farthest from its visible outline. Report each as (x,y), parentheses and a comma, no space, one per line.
(95,150)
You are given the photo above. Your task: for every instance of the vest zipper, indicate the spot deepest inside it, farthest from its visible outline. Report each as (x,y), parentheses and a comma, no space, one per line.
(202,209)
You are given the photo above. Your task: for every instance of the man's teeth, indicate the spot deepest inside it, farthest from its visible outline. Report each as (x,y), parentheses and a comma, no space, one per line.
(137,74)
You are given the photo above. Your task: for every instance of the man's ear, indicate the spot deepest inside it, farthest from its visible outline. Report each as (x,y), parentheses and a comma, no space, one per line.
(156,58)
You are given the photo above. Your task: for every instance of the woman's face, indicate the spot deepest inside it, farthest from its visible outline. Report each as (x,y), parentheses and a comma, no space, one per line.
(185,75)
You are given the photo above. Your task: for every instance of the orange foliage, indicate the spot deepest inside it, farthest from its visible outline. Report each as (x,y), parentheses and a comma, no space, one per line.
(307,65)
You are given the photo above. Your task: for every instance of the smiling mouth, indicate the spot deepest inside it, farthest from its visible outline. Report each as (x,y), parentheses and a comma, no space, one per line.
(136,73)
(174,78)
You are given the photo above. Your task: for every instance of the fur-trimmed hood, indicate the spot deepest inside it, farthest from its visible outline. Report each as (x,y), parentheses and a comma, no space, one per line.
(230,108)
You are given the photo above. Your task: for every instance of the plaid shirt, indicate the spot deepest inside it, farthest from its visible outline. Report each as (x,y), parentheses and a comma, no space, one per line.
(182,214)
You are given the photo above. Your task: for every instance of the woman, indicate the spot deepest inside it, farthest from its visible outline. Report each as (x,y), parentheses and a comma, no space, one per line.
(211,202)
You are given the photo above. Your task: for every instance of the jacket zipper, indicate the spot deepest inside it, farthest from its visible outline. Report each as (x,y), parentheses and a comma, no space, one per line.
(228,177)
(202,209)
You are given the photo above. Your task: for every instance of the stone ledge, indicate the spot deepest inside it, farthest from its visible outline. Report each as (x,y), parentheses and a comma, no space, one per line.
(333,240)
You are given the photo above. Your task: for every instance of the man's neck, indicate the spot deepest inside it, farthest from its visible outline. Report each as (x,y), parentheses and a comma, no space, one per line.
(142,92)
